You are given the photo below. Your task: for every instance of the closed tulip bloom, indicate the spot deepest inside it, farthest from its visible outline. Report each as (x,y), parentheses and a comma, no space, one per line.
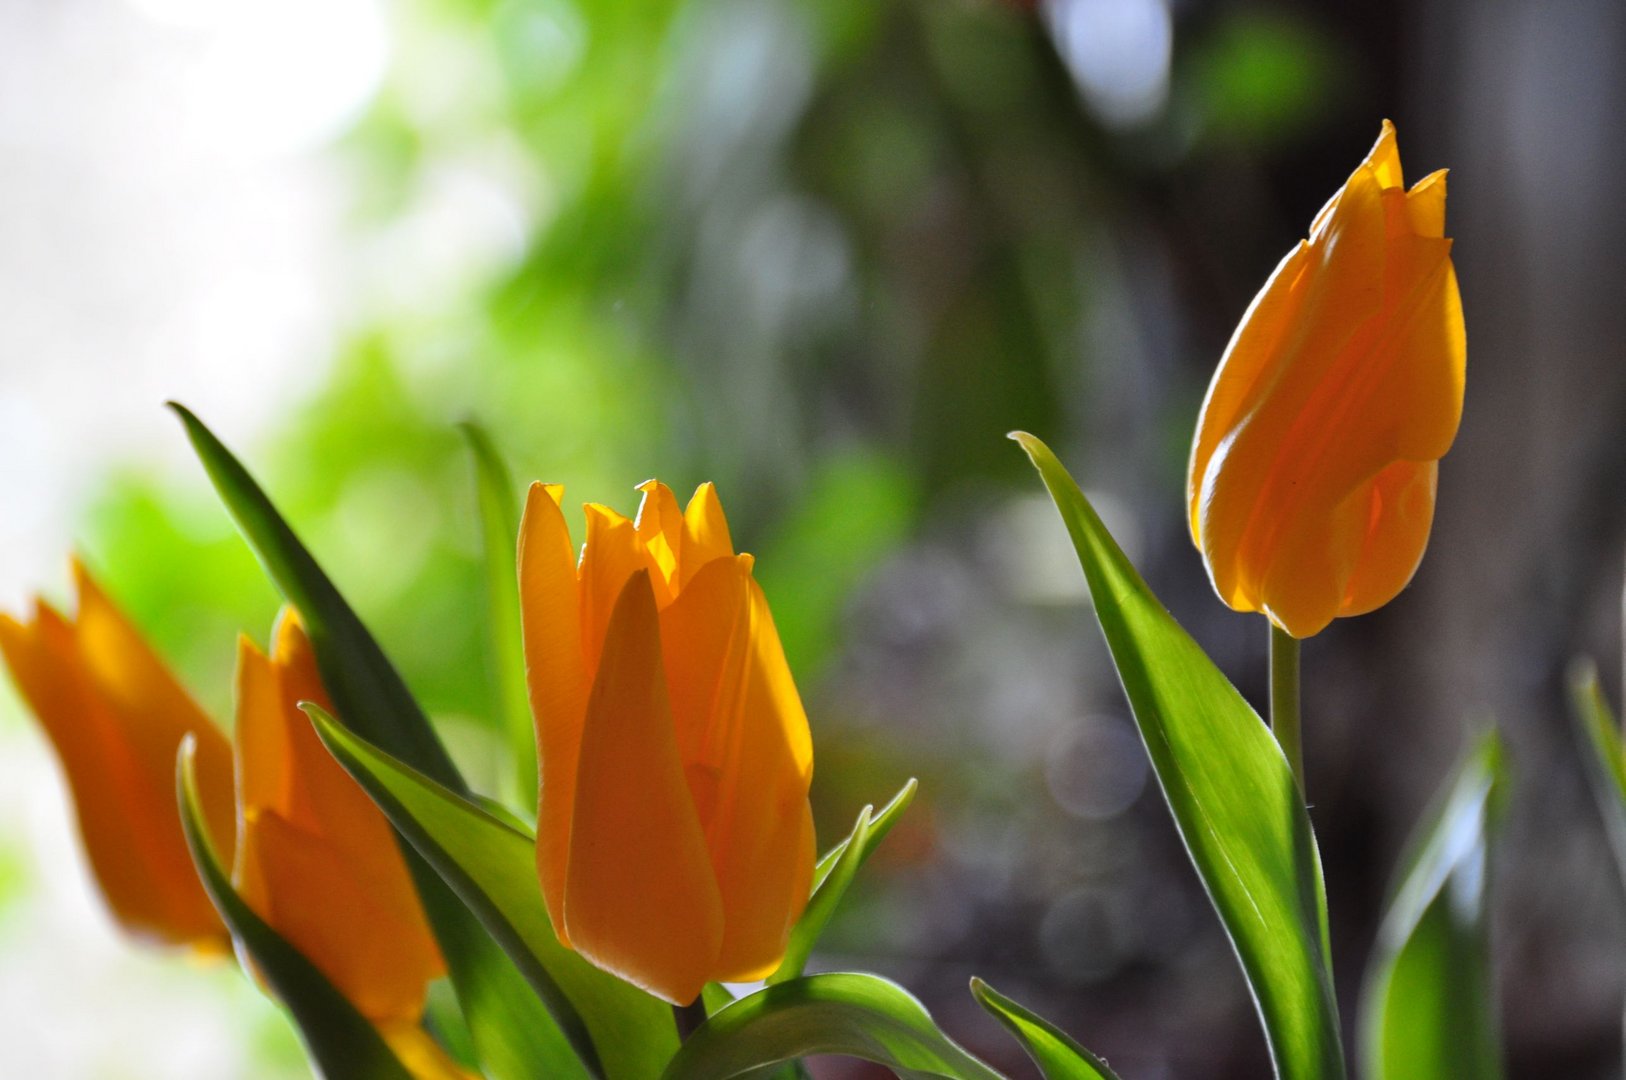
(675,841)
(115,717)
(315,857)
(1311,486)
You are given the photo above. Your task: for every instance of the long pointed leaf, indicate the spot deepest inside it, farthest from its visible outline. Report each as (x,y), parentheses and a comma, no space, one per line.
(491,865)
(342,1044)
(1056,1054)
(1429,1010)
(879,825)
(1230,789)
(507,1022)
(822,907)
(499,529)
(860,1016)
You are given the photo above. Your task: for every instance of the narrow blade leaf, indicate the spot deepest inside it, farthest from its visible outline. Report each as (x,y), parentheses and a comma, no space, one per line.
(1429,1009)
(1230,789)
(879,825)
(491,865)
(499,531)
(342,1044)
(1057,1055)
(506,1021)
(861,1016)
(822,907)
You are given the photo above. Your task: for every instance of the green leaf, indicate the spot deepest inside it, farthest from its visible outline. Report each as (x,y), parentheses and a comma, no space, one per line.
(824,902)
(1604,755)
(499,533)
(879,825)
(1429,1009)
(491,865)
(860,1016)
(365,687)
(1231,792)
(342,1043)
(832,875)
(1057,1055)
(509,1025)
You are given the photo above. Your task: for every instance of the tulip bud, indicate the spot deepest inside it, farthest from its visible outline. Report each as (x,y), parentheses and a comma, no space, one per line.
(316,859)
(675,840)
(115,717)
(1311,485)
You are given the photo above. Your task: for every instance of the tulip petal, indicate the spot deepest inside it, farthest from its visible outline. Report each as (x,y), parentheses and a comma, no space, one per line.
(123,799)
(325,899)
(660,532)
(1384,160)
(641,900)
(748,758)
(1425,206)
(610,555)
(318,860)
(555,672)
(765,849)
(1400,514)
(705,531)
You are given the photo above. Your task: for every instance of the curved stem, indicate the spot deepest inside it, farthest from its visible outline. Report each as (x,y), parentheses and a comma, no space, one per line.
(1284,698)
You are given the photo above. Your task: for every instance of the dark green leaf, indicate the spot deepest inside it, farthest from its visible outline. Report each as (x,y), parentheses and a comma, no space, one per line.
(491,865)
(499,533)
(1057,1055)
(1231,792)
(342,1044)
(1429,1009)
(508,1024)
(860,1016)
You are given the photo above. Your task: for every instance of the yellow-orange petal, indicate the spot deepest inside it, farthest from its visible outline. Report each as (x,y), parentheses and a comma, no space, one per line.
(116,720)
(1400,513)
(337,905)
(763,850)
(660,533)
(641,900)
(610,555)
(555,672)
(705,531)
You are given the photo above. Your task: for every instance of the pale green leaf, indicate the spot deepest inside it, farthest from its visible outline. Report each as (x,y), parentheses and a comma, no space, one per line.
(1057,1056)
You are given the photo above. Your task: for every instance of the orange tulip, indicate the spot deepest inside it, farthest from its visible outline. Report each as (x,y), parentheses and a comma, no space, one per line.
(675,841)
(1311,487)
(315,858)
(115,717)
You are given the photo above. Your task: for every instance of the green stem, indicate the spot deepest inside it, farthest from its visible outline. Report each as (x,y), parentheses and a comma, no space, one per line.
(1284,698)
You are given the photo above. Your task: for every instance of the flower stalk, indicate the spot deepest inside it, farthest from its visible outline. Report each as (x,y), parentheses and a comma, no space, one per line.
(1284,699)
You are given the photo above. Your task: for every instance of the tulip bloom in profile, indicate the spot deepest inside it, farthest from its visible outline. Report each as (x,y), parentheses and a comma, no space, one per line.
(675,841)
(315,857)
(1311,486)
(115,717)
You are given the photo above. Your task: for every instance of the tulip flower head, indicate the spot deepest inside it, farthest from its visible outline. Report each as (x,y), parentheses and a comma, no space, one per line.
(316,858)
(675,841)
(115,717)
(1312,477)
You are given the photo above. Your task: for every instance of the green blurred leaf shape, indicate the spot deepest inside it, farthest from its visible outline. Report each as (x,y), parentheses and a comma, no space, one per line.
(1429,1008)
(513,1031)
(1231,792)
(1603,753)
(861,1016)
(499,533)
(832,875)
(1052,1050)
(491,865)
(342,1043)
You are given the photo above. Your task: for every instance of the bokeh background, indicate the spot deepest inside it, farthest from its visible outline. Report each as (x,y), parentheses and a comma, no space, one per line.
(826,253)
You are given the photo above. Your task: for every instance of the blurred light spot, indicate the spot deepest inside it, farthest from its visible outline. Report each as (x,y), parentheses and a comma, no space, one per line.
(274,77)
(1031,545)
(1118,52)
(1096,769)
(540,42)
